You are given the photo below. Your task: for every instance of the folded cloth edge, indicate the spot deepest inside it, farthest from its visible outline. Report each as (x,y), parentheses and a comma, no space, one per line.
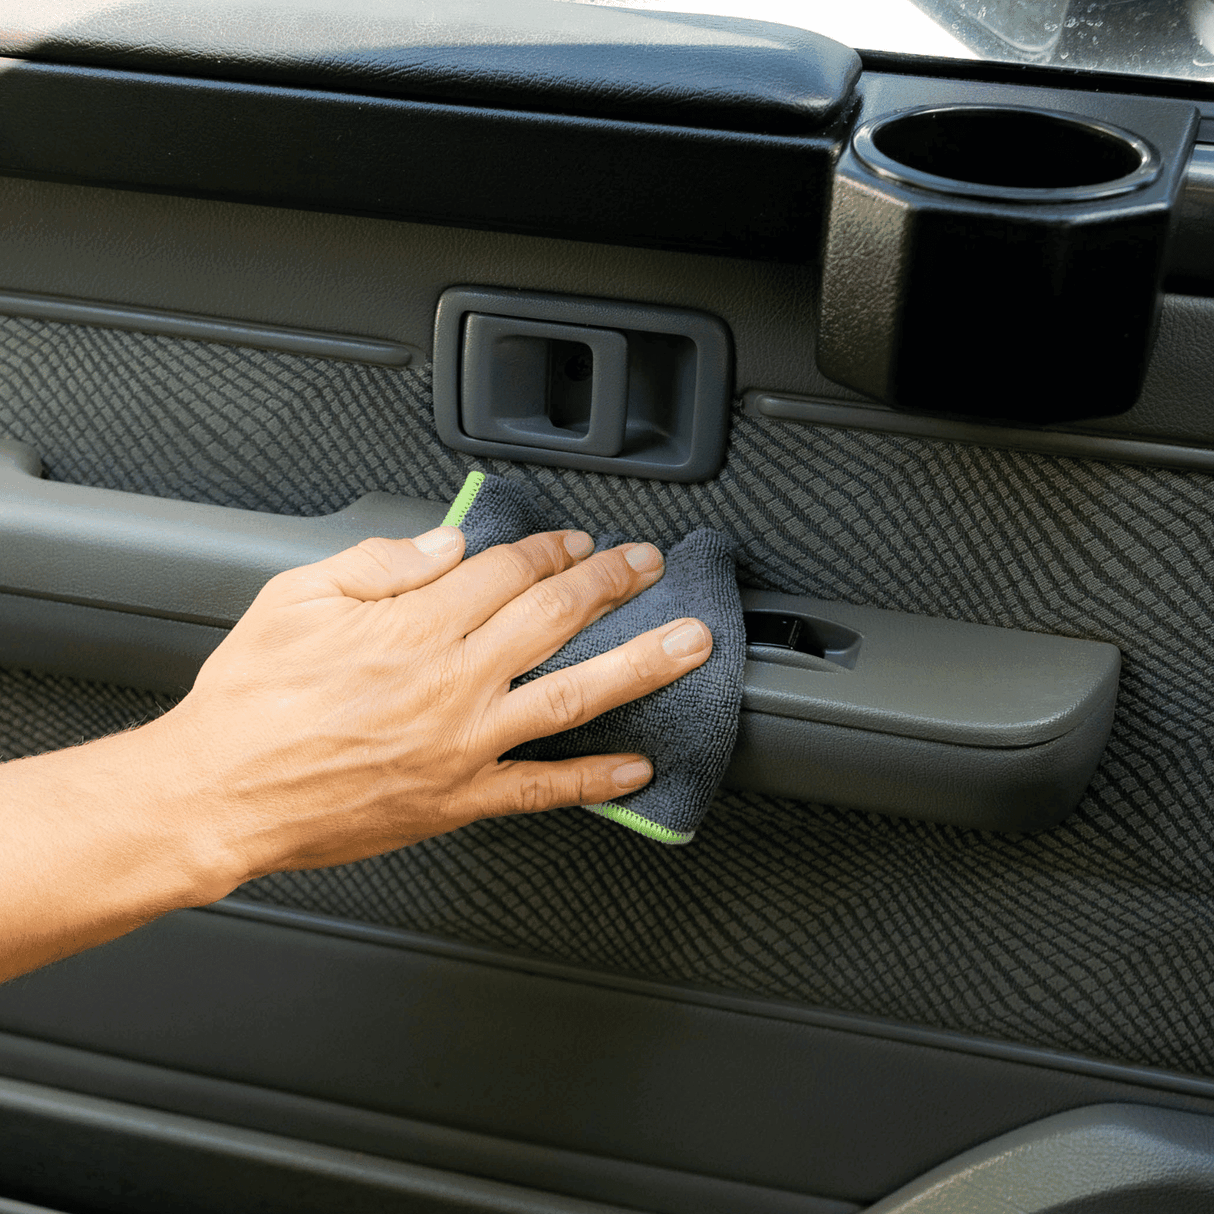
(459,508)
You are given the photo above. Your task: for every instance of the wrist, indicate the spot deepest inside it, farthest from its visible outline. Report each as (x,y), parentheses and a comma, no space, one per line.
(175,812)
(99,839)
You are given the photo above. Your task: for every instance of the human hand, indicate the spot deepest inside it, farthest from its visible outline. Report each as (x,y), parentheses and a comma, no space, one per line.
(363,703)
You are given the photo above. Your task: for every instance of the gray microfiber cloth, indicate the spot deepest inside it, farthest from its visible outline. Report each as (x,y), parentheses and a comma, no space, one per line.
(687,729)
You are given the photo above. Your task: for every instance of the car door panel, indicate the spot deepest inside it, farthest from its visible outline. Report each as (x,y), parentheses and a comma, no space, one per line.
(806,1008)
(895,913)
(914,487)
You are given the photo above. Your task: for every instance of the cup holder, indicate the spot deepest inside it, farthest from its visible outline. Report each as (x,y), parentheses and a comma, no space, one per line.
(1000,262)
(1007,153)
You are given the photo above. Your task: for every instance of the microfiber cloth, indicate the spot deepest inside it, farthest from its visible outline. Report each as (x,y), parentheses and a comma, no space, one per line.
(687,729)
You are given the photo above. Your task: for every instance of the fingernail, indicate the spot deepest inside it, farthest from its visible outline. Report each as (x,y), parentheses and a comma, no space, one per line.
(685,639)
(438,541)
(644,558)
(632,774)
(578,544)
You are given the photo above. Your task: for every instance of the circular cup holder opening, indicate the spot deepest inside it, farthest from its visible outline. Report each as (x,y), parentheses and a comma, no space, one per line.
(1010,153)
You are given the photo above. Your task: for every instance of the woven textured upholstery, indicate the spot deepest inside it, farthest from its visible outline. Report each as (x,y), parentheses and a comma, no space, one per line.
(1097,936)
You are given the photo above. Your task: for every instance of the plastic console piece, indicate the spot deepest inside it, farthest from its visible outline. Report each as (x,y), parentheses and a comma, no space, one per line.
(998,252)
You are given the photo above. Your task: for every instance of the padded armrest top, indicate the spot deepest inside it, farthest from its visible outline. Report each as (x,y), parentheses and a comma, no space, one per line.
(668,68)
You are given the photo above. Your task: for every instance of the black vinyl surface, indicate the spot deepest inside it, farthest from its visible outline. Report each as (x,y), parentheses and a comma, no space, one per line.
(751,1093)
(674,69)
(608,179)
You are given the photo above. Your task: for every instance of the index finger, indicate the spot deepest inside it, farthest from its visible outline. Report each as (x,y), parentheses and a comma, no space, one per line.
(477,589)
(566,698)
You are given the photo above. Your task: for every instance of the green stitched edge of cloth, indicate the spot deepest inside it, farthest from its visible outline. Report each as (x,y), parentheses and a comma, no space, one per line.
(464,499)
(643,826)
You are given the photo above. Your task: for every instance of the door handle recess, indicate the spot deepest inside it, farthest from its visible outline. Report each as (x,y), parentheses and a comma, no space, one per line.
(600,385)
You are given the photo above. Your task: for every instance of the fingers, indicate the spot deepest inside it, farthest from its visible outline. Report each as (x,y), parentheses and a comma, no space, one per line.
(485,583)
(533,626)
(570,697)
(374,569)
(518,787)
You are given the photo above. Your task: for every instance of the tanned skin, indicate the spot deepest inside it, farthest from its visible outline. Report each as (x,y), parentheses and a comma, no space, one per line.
(362,704)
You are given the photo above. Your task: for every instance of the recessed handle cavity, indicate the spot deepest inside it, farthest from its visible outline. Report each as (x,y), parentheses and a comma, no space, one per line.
(600,385)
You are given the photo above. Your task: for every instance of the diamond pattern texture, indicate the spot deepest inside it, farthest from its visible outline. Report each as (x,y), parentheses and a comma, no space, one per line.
(1097,936)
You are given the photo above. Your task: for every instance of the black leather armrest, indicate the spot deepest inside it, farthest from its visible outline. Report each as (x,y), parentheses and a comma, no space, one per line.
(560,119)
(668,68)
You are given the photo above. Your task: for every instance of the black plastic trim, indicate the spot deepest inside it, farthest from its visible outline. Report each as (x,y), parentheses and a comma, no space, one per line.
(161,321)
(818,1017)
(659,1190)
(613,181)
(747,1091)
(847,415)
(748,194)
(1191,258)
(71,1149)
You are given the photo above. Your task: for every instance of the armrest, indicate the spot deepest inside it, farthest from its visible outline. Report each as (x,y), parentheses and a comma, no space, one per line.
(987,728)
(675,68)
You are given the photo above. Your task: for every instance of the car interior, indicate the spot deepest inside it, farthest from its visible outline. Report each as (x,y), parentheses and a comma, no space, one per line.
(918,315)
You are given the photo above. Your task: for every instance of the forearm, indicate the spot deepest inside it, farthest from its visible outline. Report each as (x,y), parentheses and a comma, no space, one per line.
(96,841)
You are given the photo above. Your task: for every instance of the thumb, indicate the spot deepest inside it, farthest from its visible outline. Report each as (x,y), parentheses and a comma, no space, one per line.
(375,569)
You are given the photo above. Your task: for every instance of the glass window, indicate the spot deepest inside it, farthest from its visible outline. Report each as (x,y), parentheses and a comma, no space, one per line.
(1169,38)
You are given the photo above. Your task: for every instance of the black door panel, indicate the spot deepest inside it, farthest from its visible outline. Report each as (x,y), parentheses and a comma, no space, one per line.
(532,1072)
(804,1009)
